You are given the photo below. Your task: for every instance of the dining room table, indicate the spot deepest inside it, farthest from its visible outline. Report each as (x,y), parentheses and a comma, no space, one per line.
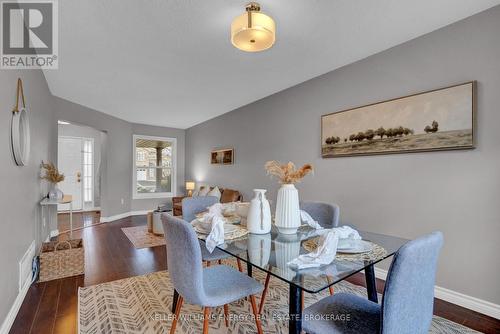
(272,252)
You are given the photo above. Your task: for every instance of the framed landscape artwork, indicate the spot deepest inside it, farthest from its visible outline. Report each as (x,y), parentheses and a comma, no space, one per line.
(441,119)
(222,157)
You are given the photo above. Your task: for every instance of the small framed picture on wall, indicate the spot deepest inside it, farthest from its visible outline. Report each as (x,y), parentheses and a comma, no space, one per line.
(222,157)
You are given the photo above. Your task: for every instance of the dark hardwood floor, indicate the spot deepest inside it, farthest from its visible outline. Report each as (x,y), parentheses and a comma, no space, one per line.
(80,220)
(51,307)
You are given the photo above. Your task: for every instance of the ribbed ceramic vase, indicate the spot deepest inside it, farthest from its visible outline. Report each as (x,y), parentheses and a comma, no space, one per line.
(287,217)
(287,249)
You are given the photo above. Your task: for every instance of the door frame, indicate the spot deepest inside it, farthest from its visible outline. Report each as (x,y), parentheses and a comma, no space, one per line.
(93,170)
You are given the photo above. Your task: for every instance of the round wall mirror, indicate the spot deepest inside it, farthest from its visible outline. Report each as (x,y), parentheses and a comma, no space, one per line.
(20,133)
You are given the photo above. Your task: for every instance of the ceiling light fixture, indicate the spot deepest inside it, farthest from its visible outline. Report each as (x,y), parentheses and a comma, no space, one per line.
(253,31)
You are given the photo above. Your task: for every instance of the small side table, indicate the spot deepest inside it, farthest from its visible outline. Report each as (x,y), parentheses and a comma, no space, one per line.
(67,199)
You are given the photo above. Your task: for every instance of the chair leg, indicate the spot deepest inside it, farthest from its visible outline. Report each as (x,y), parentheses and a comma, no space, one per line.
(240,267)
(256,315)
(330,287)
(219,262)
(264,292)
(208,263)
(206,315)
(176,316)
(302,301)
(226,315)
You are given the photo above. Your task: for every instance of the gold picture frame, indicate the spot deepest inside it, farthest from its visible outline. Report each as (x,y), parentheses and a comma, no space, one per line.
(435,120)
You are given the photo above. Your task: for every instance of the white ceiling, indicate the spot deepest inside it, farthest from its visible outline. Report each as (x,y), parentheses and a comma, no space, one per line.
(171,63)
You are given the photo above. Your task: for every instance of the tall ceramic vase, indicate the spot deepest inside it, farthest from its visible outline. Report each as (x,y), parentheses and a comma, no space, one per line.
(287,218)
(259,213)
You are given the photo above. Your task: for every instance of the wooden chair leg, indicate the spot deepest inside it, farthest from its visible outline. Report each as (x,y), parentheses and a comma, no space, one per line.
(219,262)
(256,315)
(264,292)
(206,315)
(240,267)
(330,287)
(302,301)
(208,263)
(177,313)
(226,315)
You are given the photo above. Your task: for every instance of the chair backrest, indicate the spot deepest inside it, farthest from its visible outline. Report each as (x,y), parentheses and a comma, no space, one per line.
(327,215)
(408,299)
(184,262)
(193,205)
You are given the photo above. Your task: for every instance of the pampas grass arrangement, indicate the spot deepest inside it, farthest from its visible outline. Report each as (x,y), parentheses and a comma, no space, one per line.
(287,173)
(51,173)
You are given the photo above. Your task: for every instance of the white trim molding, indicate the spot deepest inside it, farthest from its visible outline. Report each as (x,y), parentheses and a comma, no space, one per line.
(457,298)
(173,176)
(23,289)
(124,215)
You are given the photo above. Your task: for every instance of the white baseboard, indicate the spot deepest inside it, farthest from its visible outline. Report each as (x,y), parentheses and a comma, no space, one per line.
(457,298)
(11,316)
(124,215)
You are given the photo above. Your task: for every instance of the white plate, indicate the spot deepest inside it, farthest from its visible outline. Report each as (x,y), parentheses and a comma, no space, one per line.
(357,246)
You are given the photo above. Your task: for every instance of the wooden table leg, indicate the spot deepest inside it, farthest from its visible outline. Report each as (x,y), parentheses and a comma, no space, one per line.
(295,310)
(175,299)
(371,286)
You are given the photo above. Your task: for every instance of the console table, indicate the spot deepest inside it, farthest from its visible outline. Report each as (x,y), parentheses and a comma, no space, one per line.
(67,199)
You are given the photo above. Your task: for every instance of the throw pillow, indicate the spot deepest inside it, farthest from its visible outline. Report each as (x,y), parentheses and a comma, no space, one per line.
(215,192)
(204,191)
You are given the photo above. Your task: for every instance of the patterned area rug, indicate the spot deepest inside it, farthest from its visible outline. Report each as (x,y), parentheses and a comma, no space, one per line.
(141,238)
(142,304)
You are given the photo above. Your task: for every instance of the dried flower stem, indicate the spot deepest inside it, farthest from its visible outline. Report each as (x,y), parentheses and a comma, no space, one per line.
(288,173)
(51,173)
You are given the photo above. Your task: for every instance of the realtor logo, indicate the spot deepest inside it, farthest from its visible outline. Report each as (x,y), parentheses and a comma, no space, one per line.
(28,35)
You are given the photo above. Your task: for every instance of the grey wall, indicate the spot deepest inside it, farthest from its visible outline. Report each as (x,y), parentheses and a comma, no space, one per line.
(22,188)
(404,195)
(73,130)
(117,185)
(118,152)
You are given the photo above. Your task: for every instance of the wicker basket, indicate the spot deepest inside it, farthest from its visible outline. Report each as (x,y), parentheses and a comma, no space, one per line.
(60,259)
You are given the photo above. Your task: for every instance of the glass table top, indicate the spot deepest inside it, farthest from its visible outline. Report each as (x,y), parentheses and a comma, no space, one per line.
(271,253)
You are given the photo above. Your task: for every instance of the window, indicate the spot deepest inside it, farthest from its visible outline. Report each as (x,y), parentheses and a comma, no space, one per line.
(154,167)
(88,170)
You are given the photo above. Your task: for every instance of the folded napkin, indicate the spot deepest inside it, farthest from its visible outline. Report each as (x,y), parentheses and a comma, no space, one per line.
(346,232)
(324,254)
(307,219)
(216,219)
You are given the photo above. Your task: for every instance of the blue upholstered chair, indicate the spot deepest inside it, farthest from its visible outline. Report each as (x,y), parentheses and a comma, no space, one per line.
(407,303)
(208,287)
(327,215)
(190,207)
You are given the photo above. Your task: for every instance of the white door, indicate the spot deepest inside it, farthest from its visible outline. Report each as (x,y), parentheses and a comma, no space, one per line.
(69,161)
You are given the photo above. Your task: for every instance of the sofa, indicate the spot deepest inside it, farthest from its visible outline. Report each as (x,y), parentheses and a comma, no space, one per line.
(227,196)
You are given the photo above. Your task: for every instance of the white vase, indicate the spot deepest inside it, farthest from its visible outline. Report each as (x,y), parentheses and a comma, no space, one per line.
(55,193)
(287,249)
(259,249)
(259,213)
(287,217)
